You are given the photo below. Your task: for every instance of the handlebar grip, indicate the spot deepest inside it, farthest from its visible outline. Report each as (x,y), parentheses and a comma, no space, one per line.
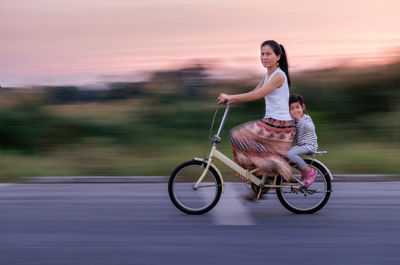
(220,102)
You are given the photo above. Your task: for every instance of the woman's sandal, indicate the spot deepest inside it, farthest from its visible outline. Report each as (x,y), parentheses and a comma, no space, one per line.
(253,197)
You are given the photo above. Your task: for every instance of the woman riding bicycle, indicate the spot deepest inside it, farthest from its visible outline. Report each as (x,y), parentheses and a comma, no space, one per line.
(264,143)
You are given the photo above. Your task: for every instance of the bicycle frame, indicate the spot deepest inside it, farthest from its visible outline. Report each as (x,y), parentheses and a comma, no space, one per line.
(248,175)
(293,193)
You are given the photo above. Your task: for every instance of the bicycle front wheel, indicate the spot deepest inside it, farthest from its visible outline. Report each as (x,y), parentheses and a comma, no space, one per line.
(183,194)
(306,200)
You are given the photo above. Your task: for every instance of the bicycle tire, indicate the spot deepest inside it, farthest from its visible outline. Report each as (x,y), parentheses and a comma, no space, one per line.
(182,194)
(324,181)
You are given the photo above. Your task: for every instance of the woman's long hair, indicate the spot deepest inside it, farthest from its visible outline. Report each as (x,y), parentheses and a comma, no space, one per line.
(279,50)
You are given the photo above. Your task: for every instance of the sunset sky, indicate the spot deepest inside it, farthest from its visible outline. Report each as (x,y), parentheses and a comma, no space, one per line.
(51,42)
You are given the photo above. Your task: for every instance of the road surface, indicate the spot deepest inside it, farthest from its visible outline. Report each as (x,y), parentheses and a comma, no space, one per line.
(112,224)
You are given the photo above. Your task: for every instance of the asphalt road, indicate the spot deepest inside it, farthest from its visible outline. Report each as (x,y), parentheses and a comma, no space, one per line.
(112,224)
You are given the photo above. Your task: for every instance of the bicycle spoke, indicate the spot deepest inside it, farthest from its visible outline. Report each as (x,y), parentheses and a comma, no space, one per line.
(305,200)
(182,189)
(208,186)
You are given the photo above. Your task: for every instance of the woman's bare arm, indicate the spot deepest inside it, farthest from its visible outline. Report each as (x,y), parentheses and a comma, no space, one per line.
(276,81)
(260,85)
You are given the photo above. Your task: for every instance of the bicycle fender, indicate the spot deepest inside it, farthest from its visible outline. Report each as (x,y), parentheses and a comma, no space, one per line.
(215,168)
(322,164)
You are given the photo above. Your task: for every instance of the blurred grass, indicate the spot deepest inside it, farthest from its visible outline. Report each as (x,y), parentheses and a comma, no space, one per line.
(153,130)
(97,157)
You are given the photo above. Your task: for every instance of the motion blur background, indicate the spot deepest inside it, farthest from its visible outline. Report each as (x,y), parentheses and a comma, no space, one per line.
(129,87)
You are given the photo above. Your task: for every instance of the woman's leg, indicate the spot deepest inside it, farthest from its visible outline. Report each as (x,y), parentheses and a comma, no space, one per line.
(257,144)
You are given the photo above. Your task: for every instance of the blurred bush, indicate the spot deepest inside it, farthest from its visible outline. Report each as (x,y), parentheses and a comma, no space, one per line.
(145,127)
(363,102)
(30,129)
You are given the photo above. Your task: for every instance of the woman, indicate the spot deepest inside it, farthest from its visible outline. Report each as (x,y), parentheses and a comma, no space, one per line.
(264,143)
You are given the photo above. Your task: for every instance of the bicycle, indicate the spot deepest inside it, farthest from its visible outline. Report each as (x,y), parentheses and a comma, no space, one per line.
(195,186)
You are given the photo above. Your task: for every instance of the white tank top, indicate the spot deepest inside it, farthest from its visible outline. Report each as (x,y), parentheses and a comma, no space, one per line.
(277,102)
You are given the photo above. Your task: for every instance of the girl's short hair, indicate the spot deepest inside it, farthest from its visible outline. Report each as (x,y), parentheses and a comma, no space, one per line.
(296,98)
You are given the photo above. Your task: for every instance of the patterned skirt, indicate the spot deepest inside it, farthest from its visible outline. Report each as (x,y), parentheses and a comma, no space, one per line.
(263,144)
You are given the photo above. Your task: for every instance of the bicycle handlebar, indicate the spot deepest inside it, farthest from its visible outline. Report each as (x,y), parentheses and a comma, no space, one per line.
(223,120)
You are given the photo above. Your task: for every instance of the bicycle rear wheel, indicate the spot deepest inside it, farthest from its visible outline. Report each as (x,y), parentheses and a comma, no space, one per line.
(306,200)
(185,197)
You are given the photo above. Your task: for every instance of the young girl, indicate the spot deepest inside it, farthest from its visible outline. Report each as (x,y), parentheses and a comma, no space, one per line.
(306,139)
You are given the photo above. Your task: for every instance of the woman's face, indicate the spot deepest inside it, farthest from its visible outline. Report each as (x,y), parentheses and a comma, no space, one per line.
(296,110)
(268,56)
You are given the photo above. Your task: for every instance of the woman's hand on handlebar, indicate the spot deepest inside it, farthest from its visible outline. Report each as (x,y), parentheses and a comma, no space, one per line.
(224,98)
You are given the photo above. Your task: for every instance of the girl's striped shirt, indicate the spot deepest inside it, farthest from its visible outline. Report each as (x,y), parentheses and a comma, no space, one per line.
(305,133)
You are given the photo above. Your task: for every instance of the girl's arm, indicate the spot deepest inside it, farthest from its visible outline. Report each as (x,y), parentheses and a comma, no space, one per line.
(307,123)
(259,92)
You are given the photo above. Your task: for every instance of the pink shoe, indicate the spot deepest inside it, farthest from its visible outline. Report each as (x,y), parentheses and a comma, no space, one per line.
(310,178)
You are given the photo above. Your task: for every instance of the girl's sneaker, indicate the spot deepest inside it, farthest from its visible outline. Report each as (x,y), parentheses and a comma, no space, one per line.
(309,178)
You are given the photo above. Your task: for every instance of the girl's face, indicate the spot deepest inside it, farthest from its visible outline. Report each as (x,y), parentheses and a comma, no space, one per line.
(268,56)
(296,110)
